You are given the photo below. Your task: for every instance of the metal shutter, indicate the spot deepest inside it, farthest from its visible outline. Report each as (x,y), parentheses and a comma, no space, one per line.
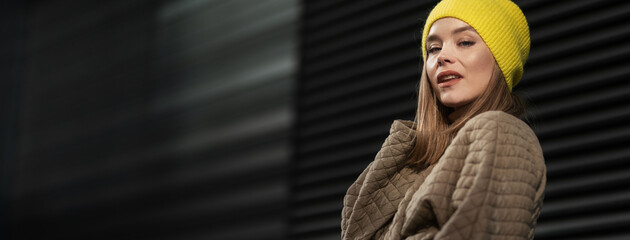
(12,21)
(576,79)
(359,72)
(155,120)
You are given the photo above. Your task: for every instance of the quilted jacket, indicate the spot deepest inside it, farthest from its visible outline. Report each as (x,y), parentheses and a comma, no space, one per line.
(488,184)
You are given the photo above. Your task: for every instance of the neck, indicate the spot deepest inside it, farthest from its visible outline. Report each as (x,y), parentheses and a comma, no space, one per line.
(457,113)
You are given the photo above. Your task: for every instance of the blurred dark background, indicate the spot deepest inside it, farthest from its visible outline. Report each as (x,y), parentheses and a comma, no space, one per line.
(244,119)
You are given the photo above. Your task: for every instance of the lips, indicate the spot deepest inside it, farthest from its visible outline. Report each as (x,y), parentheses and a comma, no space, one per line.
(448,78)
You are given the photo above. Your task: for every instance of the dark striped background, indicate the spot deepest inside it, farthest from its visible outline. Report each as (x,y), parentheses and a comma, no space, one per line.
(153,119)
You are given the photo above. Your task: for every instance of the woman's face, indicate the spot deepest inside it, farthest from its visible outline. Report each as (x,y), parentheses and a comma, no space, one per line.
(459,64)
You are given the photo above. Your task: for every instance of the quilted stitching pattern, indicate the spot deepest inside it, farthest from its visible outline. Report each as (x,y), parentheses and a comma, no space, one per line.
(488,185)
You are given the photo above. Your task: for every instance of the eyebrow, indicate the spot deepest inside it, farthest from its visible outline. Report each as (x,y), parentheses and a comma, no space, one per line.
(457,30)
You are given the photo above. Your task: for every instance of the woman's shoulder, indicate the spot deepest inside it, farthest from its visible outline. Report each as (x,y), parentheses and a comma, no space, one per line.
(506,135)
(400,125)
(496,116)
(498,124)
(493,119)
(400,139)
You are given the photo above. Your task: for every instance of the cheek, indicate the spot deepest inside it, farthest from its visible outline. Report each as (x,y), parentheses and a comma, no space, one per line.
(430,66)
(484,67)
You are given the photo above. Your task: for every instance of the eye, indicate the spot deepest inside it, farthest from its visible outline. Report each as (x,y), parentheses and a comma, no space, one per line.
(433,49)
(466,43)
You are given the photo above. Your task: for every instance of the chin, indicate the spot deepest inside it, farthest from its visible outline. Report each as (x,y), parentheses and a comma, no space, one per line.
(451,105)
(454,103)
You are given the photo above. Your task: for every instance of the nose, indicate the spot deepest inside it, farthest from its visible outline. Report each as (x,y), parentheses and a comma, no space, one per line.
(445,57)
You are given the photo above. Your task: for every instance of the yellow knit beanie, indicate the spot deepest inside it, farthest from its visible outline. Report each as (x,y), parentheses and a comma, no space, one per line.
(500,23)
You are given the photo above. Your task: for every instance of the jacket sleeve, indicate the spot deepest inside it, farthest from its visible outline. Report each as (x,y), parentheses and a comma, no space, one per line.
(499,191)
(350,199)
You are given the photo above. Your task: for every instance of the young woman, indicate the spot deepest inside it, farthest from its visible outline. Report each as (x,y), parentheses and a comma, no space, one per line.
(467,167)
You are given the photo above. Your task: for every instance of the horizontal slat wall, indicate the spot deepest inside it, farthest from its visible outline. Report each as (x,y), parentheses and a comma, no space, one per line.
(359,72)
(12,21)
(229,66)
(155,120)
(575,78)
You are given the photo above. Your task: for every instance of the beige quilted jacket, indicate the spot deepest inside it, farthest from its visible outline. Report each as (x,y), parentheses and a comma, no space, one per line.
(488,185)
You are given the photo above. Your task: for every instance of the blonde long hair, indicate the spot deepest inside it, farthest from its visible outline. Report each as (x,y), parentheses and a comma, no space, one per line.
(434,133)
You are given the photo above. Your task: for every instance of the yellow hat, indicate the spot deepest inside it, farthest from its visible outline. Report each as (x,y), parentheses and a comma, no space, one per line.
(500,23)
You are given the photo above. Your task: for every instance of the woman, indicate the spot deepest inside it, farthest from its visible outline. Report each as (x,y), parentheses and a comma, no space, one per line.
(467,167)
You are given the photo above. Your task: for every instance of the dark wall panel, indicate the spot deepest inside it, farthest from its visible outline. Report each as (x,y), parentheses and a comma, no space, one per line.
(12,30)
(359,72)
(154,120)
